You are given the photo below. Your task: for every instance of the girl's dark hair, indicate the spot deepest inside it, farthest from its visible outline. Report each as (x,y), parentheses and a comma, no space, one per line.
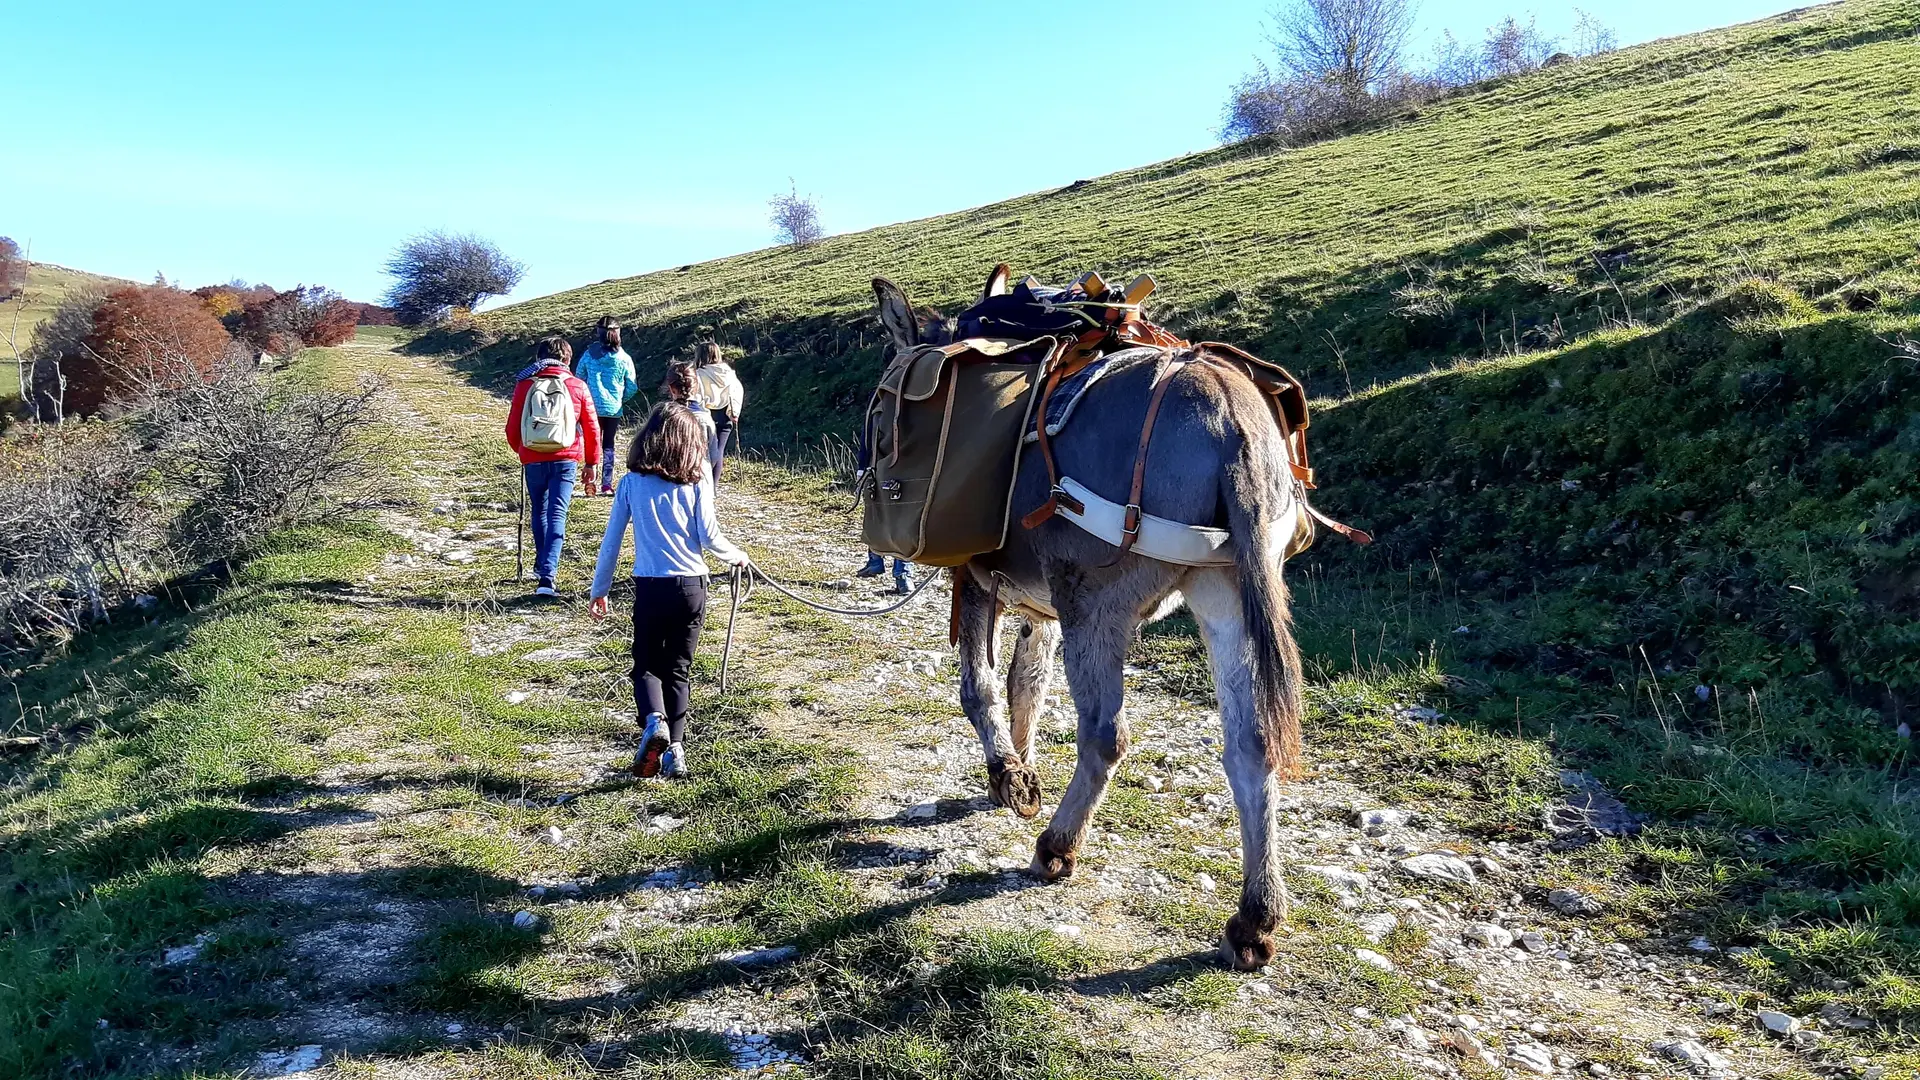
(609,333)
(680,382)
(671,445)
(553,347)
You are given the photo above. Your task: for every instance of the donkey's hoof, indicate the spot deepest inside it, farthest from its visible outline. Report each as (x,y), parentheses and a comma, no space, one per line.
(1244,947)
(1049,862)
(1015,787)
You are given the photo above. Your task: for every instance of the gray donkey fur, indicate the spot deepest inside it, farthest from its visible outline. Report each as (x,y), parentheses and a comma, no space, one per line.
(1216,458)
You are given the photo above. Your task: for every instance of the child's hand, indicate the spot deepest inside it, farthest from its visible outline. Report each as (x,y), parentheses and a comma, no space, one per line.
(598,609)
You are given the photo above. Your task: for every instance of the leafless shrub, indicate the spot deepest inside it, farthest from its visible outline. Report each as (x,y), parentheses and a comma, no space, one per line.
(198,463)
(248,455)
(1591,37)
(1339,65)
(795,218)
(77,532)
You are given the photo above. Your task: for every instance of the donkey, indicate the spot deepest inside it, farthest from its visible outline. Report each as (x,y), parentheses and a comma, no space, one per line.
(1216,458)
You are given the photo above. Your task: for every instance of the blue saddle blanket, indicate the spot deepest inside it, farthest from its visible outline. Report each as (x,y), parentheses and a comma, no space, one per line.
(1066,397)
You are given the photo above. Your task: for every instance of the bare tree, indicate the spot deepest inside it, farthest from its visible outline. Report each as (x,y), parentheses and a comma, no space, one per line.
(1513,48)
(436,274)
(1591,37)
(1352,45)
(795,218)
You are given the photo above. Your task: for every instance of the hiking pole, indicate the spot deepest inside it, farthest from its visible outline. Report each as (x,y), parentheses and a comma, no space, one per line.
(520,532)
(733,610)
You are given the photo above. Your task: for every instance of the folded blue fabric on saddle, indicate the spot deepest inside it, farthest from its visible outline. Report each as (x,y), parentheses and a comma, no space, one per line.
(1067,395)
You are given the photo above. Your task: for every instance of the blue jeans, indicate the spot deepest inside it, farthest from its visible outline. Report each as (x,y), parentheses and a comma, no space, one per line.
(549,493)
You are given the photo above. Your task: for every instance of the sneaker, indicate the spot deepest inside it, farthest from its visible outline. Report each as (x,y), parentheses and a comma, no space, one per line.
(545,588)
(673,763)
(874,568)
(653,744)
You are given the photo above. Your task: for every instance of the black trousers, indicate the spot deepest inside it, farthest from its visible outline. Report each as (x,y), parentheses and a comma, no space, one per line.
(723,425)
(667,614)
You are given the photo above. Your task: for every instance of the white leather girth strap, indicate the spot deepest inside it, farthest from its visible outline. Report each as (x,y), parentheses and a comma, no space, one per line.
(1161,539)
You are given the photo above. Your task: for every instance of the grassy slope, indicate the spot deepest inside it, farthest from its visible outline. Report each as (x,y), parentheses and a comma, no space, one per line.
(47,285)
(1757,150)
(1623,388)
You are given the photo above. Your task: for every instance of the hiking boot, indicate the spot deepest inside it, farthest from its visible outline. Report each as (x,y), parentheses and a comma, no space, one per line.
(673,763)
(545,588)
(902,582)
(876,565)
(653,744)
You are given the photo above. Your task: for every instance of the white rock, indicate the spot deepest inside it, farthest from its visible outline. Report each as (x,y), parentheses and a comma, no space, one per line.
(1569,902)
(1349,886)
(1382,819)
(1534,941)
(1778,1022)
(1701,945)
(295,1062)
(554,836)
(1533,1058)
(1373,959)
(921,811)
(1205,881)
(1488,935)
(1436,866)
(1417,1040)
(1377,927)
(180,954)
(1068,931)
(525,920)
(666,822)
(1153,783)
(752,957)
(515,697)
(1693,1054)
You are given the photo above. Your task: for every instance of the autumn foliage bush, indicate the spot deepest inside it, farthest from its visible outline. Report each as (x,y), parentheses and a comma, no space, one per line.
(305,316)
(13,269)
(132,326)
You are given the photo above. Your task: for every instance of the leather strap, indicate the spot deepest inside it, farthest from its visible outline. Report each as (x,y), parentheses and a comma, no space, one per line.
(953,618)
(1038,516)
(1358,536)
(1130,525)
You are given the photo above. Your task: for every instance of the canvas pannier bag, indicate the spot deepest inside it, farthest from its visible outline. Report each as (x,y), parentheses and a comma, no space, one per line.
(944,437)
(549,422)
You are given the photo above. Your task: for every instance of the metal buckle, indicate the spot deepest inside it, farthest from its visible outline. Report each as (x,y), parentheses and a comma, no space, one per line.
(1062,498)
(1130,525)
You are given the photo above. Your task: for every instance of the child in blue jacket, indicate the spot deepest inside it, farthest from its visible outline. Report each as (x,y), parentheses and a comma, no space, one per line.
(608,372)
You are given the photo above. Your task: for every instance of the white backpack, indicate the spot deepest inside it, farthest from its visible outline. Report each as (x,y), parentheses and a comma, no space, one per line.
(549,422)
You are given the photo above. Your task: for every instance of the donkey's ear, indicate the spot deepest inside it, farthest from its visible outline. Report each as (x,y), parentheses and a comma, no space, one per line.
(997,281)
(896,313)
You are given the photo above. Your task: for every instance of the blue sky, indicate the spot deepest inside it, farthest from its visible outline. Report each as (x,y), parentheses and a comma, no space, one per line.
(289,143)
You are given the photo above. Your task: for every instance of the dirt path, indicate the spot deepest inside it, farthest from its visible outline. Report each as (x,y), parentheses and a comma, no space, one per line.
(474,888)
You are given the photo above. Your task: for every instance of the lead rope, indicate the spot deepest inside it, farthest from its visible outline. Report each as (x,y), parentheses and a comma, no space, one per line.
(740,582)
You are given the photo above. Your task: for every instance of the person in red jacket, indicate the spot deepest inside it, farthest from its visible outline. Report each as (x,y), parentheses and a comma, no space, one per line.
(550,474)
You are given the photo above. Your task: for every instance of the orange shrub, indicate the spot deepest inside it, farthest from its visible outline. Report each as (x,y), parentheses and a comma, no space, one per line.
(143,336)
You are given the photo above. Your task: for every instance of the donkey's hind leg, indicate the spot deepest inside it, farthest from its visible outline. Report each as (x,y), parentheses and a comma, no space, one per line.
(1030,678)
(1096,650)
(1010,780)
(1215,600)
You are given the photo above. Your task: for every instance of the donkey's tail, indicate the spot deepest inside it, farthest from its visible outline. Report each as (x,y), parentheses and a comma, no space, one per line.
(1261,502)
